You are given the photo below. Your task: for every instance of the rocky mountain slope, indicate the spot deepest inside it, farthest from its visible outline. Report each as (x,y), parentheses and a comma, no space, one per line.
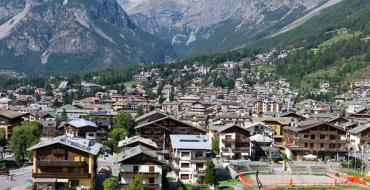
(64,36)
(202,26)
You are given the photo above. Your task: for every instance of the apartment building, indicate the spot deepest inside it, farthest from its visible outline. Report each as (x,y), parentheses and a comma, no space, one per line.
(80,128)
(64,162)
(189,155)
(140,160)
(234,142)
(325,140)
(158,127)
(9,120)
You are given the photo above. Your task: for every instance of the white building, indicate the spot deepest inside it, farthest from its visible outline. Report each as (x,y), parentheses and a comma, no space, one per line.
(190,153)
(140,160)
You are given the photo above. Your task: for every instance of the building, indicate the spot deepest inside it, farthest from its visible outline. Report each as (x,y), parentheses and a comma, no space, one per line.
(360,137)
(325,140)
(234,142)
(9,120)
(189,154)
(80,128)
(158,127)
(140,160)
(135,141)
(64,162)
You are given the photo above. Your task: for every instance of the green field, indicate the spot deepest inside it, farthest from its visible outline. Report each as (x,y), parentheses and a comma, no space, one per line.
(338,38)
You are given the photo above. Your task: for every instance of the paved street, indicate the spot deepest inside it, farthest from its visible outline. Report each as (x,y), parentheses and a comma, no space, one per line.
(19,181)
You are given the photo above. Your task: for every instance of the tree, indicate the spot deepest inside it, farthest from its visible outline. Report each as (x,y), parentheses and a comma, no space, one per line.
(110,183)
(216,145)
(56,133)
(63,115)
(367,58)
(23,137)
(125,121)
(210,176)
(116,135)
(140,111)
(137,183)
(2,137)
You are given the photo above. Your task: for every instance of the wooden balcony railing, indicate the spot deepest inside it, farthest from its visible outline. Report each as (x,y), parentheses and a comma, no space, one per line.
(343,149)
(60,163)
(241,149)
(61,175)
(200,158)
(145,174)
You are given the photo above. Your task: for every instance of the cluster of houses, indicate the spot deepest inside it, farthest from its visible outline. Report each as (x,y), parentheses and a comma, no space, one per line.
(174,137)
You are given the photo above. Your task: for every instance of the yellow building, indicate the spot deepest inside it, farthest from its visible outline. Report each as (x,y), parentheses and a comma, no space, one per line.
(64,162)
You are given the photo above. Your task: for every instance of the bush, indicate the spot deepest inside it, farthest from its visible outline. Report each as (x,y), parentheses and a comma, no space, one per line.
(110,183)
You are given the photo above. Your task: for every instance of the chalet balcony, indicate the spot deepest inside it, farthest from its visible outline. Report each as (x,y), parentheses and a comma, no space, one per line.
(237,140)
(200,158)
(60,163)
(297,148)
(236,149)
(61,175)
(145,174)
(324,141)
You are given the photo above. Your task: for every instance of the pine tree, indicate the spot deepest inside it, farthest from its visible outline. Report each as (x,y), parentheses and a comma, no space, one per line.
(210,177)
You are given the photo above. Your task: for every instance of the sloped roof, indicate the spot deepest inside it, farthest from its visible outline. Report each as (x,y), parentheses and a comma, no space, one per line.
(305,127)
(137,139)
(11,114)
(359,129)
(75,142)
(134,151)
(193,142)
(79,123)
(168,117)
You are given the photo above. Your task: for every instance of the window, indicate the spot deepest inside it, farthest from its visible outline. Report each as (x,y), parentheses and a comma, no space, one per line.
(338,145)
(228,137)
(185,154)
(185,176)
(312,136)
(305,136)
(332,137)
(151,169)
(305,144)
(151,180)
(198,154)
(135,169)
(311,145)
(75,183)
(321,145)
(331,145)
(322,136)
(185,165)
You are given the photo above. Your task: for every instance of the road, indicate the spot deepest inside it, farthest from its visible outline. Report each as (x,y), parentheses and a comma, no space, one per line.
(19,179)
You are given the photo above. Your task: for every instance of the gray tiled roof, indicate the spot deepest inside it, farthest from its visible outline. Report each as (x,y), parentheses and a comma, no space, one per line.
(75,142)
(359,129)
(134,151)
(78,123)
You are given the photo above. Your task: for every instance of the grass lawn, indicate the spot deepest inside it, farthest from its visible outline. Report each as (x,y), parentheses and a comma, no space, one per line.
(267,68)
(339,38)
(230,182)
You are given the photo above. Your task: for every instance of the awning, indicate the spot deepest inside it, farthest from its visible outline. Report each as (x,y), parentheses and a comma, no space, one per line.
(44,180)
(62,180)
